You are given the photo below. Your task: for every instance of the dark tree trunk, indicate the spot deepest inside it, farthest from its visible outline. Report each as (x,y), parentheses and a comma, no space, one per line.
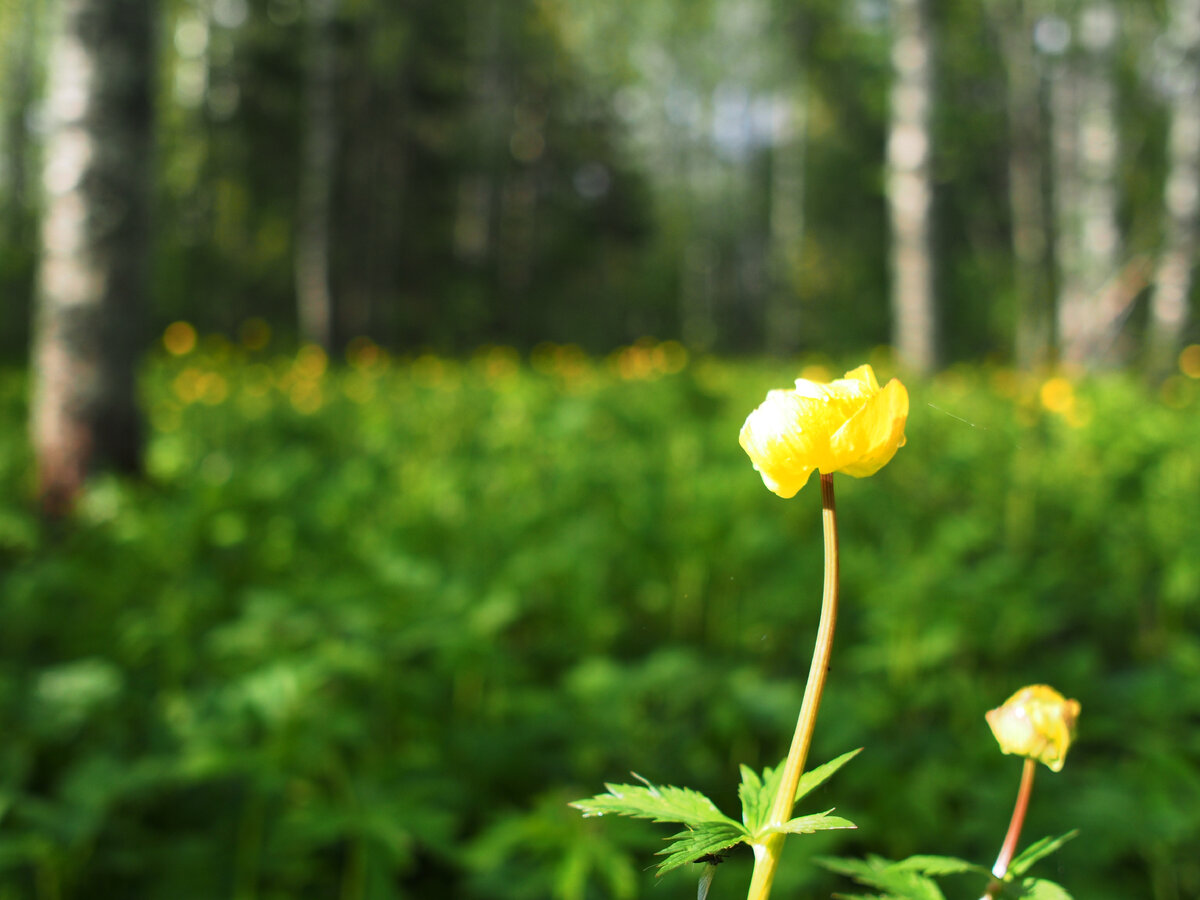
(92,275)
(1173,278)
(18,80)
(786,224)
(15,99)
(1027,187)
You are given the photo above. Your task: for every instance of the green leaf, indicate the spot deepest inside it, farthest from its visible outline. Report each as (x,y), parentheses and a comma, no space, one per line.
(809,824)
(1041,889)
(857,869)
(934,866)
(816,777)
(659,803)
(1038,850)
(757,793)
(688,846)
(882,874)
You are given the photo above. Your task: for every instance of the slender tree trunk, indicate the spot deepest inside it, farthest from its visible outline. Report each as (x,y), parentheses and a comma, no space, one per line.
(515,239)
(1181,226)
(314,298)
(15,99)
(372,113)
(92,275)
(700,257)
(476,222)
(910,188)
(1027,188)
(1091,299)
(17,180)
(786,225)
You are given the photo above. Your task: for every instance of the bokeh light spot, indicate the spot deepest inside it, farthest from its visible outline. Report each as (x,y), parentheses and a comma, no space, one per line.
(1057,395)
(179,338)
(311,361)
(1189,361)
(363,353)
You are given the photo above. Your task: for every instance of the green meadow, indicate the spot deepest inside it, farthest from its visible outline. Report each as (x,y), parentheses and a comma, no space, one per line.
(369,625)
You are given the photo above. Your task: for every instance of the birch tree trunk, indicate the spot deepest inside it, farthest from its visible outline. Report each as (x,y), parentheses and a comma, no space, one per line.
(910,188)
(94,236)
(1091,299)
(314,297)
(1173,271)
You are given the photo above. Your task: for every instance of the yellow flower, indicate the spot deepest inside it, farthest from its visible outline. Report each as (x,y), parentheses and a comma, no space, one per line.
(848,425)
(1037,722)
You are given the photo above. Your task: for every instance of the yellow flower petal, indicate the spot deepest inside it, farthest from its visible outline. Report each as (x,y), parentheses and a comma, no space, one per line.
(1036,722)
(781,453)
(869,440)
(848,425)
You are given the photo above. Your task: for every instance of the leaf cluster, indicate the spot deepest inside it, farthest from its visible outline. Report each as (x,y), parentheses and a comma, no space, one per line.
(708,831)
(914,878)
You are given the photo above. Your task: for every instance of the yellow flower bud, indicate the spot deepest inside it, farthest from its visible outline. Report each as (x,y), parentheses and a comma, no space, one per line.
(1036,722)
(849,425)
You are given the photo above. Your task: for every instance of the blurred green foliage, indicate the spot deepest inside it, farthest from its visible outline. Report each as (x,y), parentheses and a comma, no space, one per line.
(367,628)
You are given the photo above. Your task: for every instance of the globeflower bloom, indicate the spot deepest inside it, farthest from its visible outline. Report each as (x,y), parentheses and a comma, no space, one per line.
(849,425)
(1036,722)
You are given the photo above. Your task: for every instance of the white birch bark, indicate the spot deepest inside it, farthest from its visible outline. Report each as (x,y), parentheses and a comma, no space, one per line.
(910,188)
(314,297)
(1091,297)
(94,237)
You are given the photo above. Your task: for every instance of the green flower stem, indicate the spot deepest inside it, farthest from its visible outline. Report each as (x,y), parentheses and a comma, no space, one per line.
(766,854)
(1000,869)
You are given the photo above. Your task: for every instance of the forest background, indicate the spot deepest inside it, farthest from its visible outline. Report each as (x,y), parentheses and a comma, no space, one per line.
(424,333)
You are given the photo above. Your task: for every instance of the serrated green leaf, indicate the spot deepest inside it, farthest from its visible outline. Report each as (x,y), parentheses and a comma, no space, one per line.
(809,825)
(916,887)
(882,874)
(757,793)
(1038,850)
(1041,889)
(688,846)
(816,777)
(934,866)
(659,803)
(854,868)
(756,801)
(756,807)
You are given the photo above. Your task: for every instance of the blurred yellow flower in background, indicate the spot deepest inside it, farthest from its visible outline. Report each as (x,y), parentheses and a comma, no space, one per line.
(848,425)
(1036,722)
(179,338)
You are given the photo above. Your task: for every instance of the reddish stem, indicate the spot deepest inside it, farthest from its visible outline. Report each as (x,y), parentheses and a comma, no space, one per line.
(1009,848)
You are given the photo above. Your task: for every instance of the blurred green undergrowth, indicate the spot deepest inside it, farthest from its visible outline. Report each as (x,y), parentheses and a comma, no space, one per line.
(367,628)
